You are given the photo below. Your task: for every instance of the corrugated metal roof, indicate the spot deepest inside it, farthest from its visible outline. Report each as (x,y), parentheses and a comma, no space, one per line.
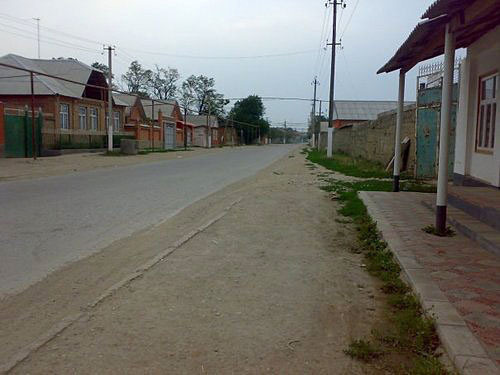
(361,110)
(166,109)
(65,68)
(201,120)
(427,38)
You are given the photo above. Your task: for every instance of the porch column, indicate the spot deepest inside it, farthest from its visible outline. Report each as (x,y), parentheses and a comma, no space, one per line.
(444,132)
(399,124)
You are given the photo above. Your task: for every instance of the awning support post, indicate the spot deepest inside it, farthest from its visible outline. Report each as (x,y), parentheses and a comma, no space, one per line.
(399,124)
(444,133)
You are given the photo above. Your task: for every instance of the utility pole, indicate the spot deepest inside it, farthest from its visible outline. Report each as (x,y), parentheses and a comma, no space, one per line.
(332,80)
(284,135)
(38,34)
(185,128)
(313,119)
(209,129)
(153,125)
(110,99)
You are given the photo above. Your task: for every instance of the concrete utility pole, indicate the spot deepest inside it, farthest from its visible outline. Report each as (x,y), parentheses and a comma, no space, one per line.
(110,98)
(209,129)
(38,33)
(313,117)
(185,128)
(284,135)
(332,80)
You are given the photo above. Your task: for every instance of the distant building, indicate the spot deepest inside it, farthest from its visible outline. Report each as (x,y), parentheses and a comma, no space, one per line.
(348,112)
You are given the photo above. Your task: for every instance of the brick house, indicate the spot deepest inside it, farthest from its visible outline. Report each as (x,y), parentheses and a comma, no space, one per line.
(79,113)
(170,114)
(204,124)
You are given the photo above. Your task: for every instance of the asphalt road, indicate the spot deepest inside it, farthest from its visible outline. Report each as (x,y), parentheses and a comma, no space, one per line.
(48,222)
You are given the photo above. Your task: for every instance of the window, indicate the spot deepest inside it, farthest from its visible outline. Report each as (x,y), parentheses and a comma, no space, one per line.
(116,120)
(64,115)
(487,113)
(82,118)
(94,119)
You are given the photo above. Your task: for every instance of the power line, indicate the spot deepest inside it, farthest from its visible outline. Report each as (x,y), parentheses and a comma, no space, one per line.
(349,19)
(60,44)
(224,57)
(55,31)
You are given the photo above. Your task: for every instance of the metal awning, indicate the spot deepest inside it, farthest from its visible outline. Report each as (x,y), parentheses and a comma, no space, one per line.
(469,19)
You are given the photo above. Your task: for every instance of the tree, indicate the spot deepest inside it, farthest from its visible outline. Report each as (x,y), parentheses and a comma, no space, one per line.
(200,93)
(102,67)
(164,83)
(137,79)
(250,110)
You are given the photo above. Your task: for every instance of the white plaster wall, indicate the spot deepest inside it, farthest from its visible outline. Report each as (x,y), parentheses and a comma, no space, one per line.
(483,58)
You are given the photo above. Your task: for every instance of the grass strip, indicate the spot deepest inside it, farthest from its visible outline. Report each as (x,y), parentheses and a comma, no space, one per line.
(411,334)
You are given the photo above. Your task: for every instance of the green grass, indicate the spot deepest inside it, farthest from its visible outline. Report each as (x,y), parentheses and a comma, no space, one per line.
(411,333)
(356,167)
(363,350)
(431,229)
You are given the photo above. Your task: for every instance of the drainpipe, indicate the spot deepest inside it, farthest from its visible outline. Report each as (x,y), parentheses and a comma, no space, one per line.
(399,124)
(444,132)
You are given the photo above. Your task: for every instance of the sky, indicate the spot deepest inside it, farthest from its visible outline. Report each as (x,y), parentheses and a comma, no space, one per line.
(198,36)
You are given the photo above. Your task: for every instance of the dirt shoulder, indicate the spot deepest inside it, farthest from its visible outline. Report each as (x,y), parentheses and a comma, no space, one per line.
(271,287)
(20,168)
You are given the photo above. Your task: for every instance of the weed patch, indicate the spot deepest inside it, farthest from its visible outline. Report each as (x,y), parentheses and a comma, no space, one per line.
(431,229)
(363,350)
(411,334)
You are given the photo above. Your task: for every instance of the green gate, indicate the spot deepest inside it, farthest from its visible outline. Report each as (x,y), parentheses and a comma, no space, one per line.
(19,135)
(427,132)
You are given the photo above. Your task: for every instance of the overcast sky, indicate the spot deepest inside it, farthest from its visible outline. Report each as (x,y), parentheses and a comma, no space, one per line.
(153,31)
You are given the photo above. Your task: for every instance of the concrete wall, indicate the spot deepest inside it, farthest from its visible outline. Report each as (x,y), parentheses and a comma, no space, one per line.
(483,58)
(374,140)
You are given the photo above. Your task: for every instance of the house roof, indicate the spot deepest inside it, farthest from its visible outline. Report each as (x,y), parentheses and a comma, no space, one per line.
(12,84)
(167,108)
(470,19)
(361,110)
(201,120)
(129,101)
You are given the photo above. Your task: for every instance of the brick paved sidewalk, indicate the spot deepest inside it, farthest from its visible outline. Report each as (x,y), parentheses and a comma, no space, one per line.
(454,276)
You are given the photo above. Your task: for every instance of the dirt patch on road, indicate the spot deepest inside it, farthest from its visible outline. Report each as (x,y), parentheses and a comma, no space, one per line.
(272,287)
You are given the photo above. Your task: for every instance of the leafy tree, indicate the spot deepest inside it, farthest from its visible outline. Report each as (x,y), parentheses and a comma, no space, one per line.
(250,110)
(137,79)
(102,67)
(164,83)
(200,93)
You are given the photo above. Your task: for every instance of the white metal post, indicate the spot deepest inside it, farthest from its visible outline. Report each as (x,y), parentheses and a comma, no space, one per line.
(444,132)
(110,101)
(399,124)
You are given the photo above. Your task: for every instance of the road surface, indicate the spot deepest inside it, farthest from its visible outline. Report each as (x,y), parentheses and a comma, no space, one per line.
(48,222)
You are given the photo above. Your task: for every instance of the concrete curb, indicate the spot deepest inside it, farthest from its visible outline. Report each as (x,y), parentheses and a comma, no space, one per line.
(141,270)
(465,351)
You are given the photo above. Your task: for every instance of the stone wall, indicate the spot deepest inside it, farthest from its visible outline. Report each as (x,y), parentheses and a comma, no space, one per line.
(374,140)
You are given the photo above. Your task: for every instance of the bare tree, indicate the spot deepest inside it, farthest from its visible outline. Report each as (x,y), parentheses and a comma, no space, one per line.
(164,83)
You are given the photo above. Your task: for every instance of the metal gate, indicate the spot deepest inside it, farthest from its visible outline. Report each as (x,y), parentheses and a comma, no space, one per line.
(18,135)
(169,132)
(428,120)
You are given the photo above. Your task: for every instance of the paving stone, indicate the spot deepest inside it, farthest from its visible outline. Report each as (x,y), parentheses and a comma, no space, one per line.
(469,365)
(456,276)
